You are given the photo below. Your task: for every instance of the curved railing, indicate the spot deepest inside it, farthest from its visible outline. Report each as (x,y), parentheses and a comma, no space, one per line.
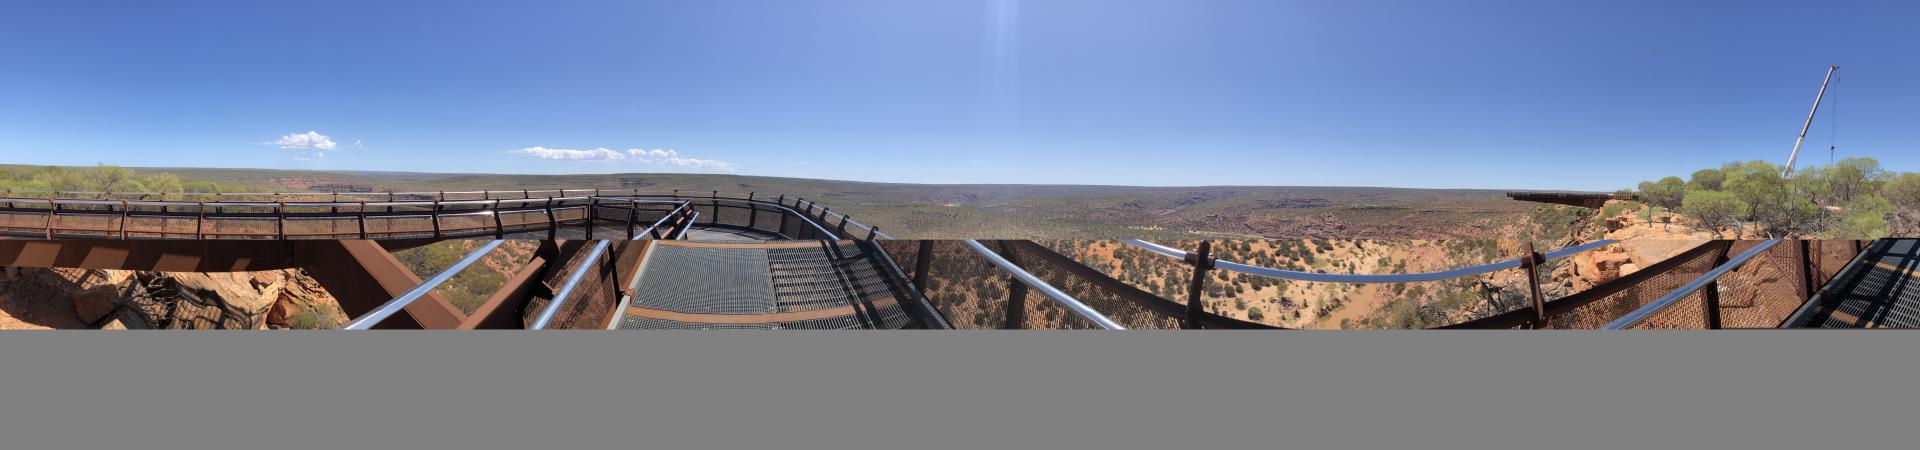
(1202,261)
(1374,278)
(406,215)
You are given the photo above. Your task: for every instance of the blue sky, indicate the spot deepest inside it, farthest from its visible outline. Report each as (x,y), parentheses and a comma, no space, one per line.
(1524,94)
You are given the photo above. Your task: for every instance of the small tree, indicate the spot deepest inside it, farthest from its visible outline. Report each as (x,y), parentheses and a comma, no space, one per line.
(1866,219)
(1903,191)
(1706,179)
(1713,209)
(1666,193)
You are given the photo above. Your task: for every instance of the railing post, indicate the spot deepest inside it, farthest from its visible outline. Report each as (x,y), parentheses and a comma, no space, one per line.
(280,219)
(1807,268)
(363,220)
(871,231)
(753,212)
(1202,261)
(200,223)
(1016,294)
(124,210)
(787,218)
(593,214)
(553,227)
(435,217)
(922,262)
(1711,293)
(633,213)
(53,212)
(1531,261)
(499,227)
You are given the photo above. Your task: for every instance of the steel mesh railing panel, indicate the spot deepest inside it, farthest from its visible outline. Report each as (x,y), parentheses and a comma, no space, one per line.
(966,288)
(1047,314)
(1765,290)
(1689,313)
(728,214)
(591,304)
(1599,312)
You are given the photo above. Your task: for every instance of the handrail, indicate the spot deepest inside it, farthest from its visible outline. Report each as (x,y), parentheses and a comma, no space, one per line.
(1032,281)
(663,219)
(803,217)
(235,206)
(566,290)
(1639,315)
(1363,278)
(692,218)
(394,306)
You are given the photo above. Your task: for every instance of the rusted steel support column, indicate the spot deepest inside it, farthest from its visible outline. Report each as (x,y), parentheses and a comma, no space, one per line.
(125,209)
(1711,304)
(1531,261)
(1202,261)
(499,228)
(633,213)
(1807,269)
(593,213)
(1016,293)
(200,223)
(53,210)
(553,227)
(921,262)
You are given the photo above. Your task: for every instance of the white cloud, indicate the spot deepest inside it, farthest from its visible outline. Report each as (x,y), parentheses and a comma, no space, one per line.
(310,139)
(309,146)
(667,157)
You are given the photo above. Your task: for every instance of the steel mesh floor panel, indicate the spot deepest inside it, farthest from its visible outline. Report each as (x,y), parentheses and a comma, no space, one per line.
(1886,295)
(706,280)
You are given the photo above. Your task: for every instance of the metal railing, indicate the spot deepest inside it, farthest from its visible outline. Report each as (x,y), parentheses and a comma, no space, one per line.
(1706,282)
(385,215)
(391,307)
(1202,261)
(1045,289)
(1374,278)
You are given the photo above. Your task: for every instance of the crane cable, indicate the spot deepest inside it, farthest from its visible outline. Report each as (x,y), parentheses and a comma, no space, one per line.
(1833,123)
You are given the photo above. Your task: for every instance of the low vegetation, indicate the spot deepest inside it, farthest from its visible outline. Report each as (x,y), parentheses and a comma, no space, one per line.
(25,181)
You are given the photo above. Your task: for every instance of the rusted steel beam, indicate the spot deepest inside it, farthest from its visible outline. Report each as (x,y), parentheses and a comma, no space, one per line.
(156,255)
(362,275)
(1202,261)
(1016,313)
(504,309)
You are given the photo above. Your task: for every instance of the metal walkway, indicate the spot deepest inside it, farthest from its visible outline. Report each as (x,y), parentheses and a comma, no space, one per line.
(1878,290)
(767,286)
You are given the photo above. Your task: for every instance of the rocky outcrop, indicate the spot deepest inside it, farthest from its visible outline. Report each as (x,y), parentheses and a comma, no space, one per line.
(1600,266)
(117,299)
